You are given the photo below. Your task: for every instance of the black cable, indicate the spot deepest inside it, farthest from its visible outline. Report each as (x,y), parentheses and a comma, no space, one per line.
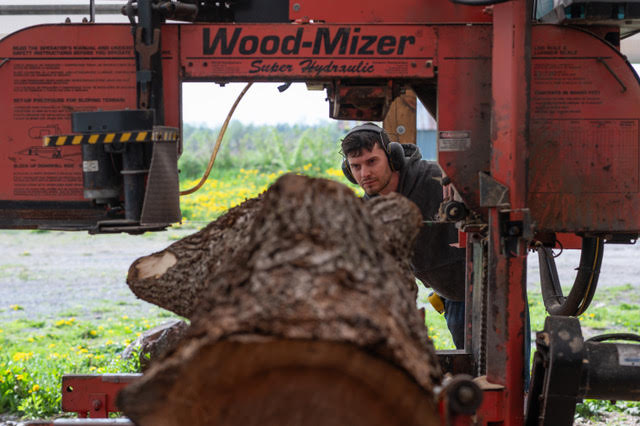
(585,283)
(615,336)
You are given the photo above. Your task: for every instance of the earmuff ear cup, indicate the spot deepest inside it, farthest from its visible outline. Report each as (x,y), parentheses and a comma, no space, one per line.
(395,152)
(347,172)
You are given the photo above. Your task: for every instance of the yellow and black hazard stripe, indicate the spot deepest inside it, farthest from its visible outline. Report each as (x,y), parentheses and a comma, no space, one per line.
(158,134)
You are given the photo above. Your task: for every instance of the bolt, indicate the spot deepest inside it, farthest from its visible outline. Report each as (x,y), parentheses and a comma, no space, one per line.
(466,395)
(97,404)
(296,7)
(428,64)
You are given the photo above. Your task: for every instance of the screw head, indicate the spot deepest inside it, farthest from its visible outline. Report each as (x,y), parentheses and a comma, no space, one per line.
(296,7)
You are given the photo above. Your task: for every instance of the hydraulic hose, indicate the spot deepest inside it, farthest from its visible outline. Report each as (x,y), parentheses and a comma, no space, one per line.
(214,154)
(585,283)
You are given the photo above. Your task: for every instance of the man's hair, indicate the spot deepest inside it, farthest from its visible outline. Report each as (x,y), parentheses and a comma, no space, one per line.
(355,142)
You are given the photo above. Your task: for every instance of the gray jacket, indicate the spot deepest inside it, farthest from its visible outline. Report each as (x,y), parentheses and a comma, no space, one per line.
(435,262)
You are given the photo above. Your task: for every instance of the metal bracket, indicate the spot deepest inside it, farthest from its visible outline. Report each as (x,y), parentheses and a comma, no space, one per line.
(555,379)
(492,192)
(516,230)
(145,73)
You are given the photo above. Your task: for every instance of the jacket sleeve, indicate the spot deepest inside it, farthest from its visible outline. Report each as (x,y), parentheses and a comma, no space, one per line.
(435,262)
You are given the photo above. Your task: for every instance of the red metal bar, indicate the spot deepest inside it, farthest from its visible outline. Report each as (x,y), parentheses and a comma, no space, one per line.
(93,395)
(507,269)
(492,408)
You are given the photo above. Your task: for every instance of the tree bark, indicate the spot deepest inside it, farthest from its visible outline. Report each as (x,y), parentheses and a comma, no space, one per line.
(176,277)
(303,312)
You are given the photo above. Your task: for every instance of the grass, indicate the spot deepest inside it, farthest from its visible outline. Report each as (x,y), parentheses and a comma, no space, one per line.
(35,353)
(227,188)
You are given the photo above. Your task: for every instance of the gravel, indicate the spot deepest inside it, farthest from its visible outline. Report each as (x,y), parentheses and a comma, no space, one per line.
(49,274)
(53,274)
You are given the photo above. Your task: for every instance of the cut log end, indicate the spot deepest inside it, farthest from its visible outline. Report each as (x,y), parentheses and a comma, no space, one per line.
(155,265)
(253,380)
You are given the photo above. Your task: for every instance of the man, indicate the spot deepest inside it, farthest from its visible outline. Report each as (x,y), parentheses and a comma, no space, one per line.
(381,167)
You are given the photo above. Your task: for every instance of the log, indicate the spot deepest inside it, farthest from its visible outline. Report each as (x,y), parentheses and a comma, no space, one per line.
(305,315)
(176,277)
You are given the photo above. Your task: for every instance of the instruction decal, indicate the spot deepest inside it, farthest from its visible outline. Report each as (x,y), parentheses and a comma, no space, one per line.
(44,81)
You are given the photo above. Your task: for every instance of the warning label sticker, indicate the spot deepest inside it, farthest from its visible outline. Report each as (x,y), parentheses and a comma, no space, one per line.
(44,81)
(629,355)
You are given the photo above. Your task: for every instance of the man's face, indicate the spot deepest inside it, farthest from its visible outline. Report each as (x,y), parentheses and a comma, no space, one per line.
(371,170)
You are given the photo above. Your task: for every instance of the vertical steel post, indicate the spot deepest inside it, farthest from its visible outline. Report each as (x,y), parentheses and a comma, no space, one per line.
(507,268)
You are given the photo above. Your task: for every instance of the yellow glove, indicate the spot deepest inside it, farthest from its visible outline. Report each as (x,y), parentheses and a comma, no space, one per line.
(436,302)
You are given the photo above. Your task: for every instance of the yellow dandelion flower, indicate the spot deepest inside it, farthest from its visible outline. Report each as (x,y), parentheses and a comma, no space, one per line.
(334,172)
(22,356)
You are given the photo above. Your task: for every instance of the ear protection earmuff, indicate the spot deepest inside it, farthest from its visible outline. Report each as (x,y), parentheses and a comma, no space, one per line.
(394,151)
